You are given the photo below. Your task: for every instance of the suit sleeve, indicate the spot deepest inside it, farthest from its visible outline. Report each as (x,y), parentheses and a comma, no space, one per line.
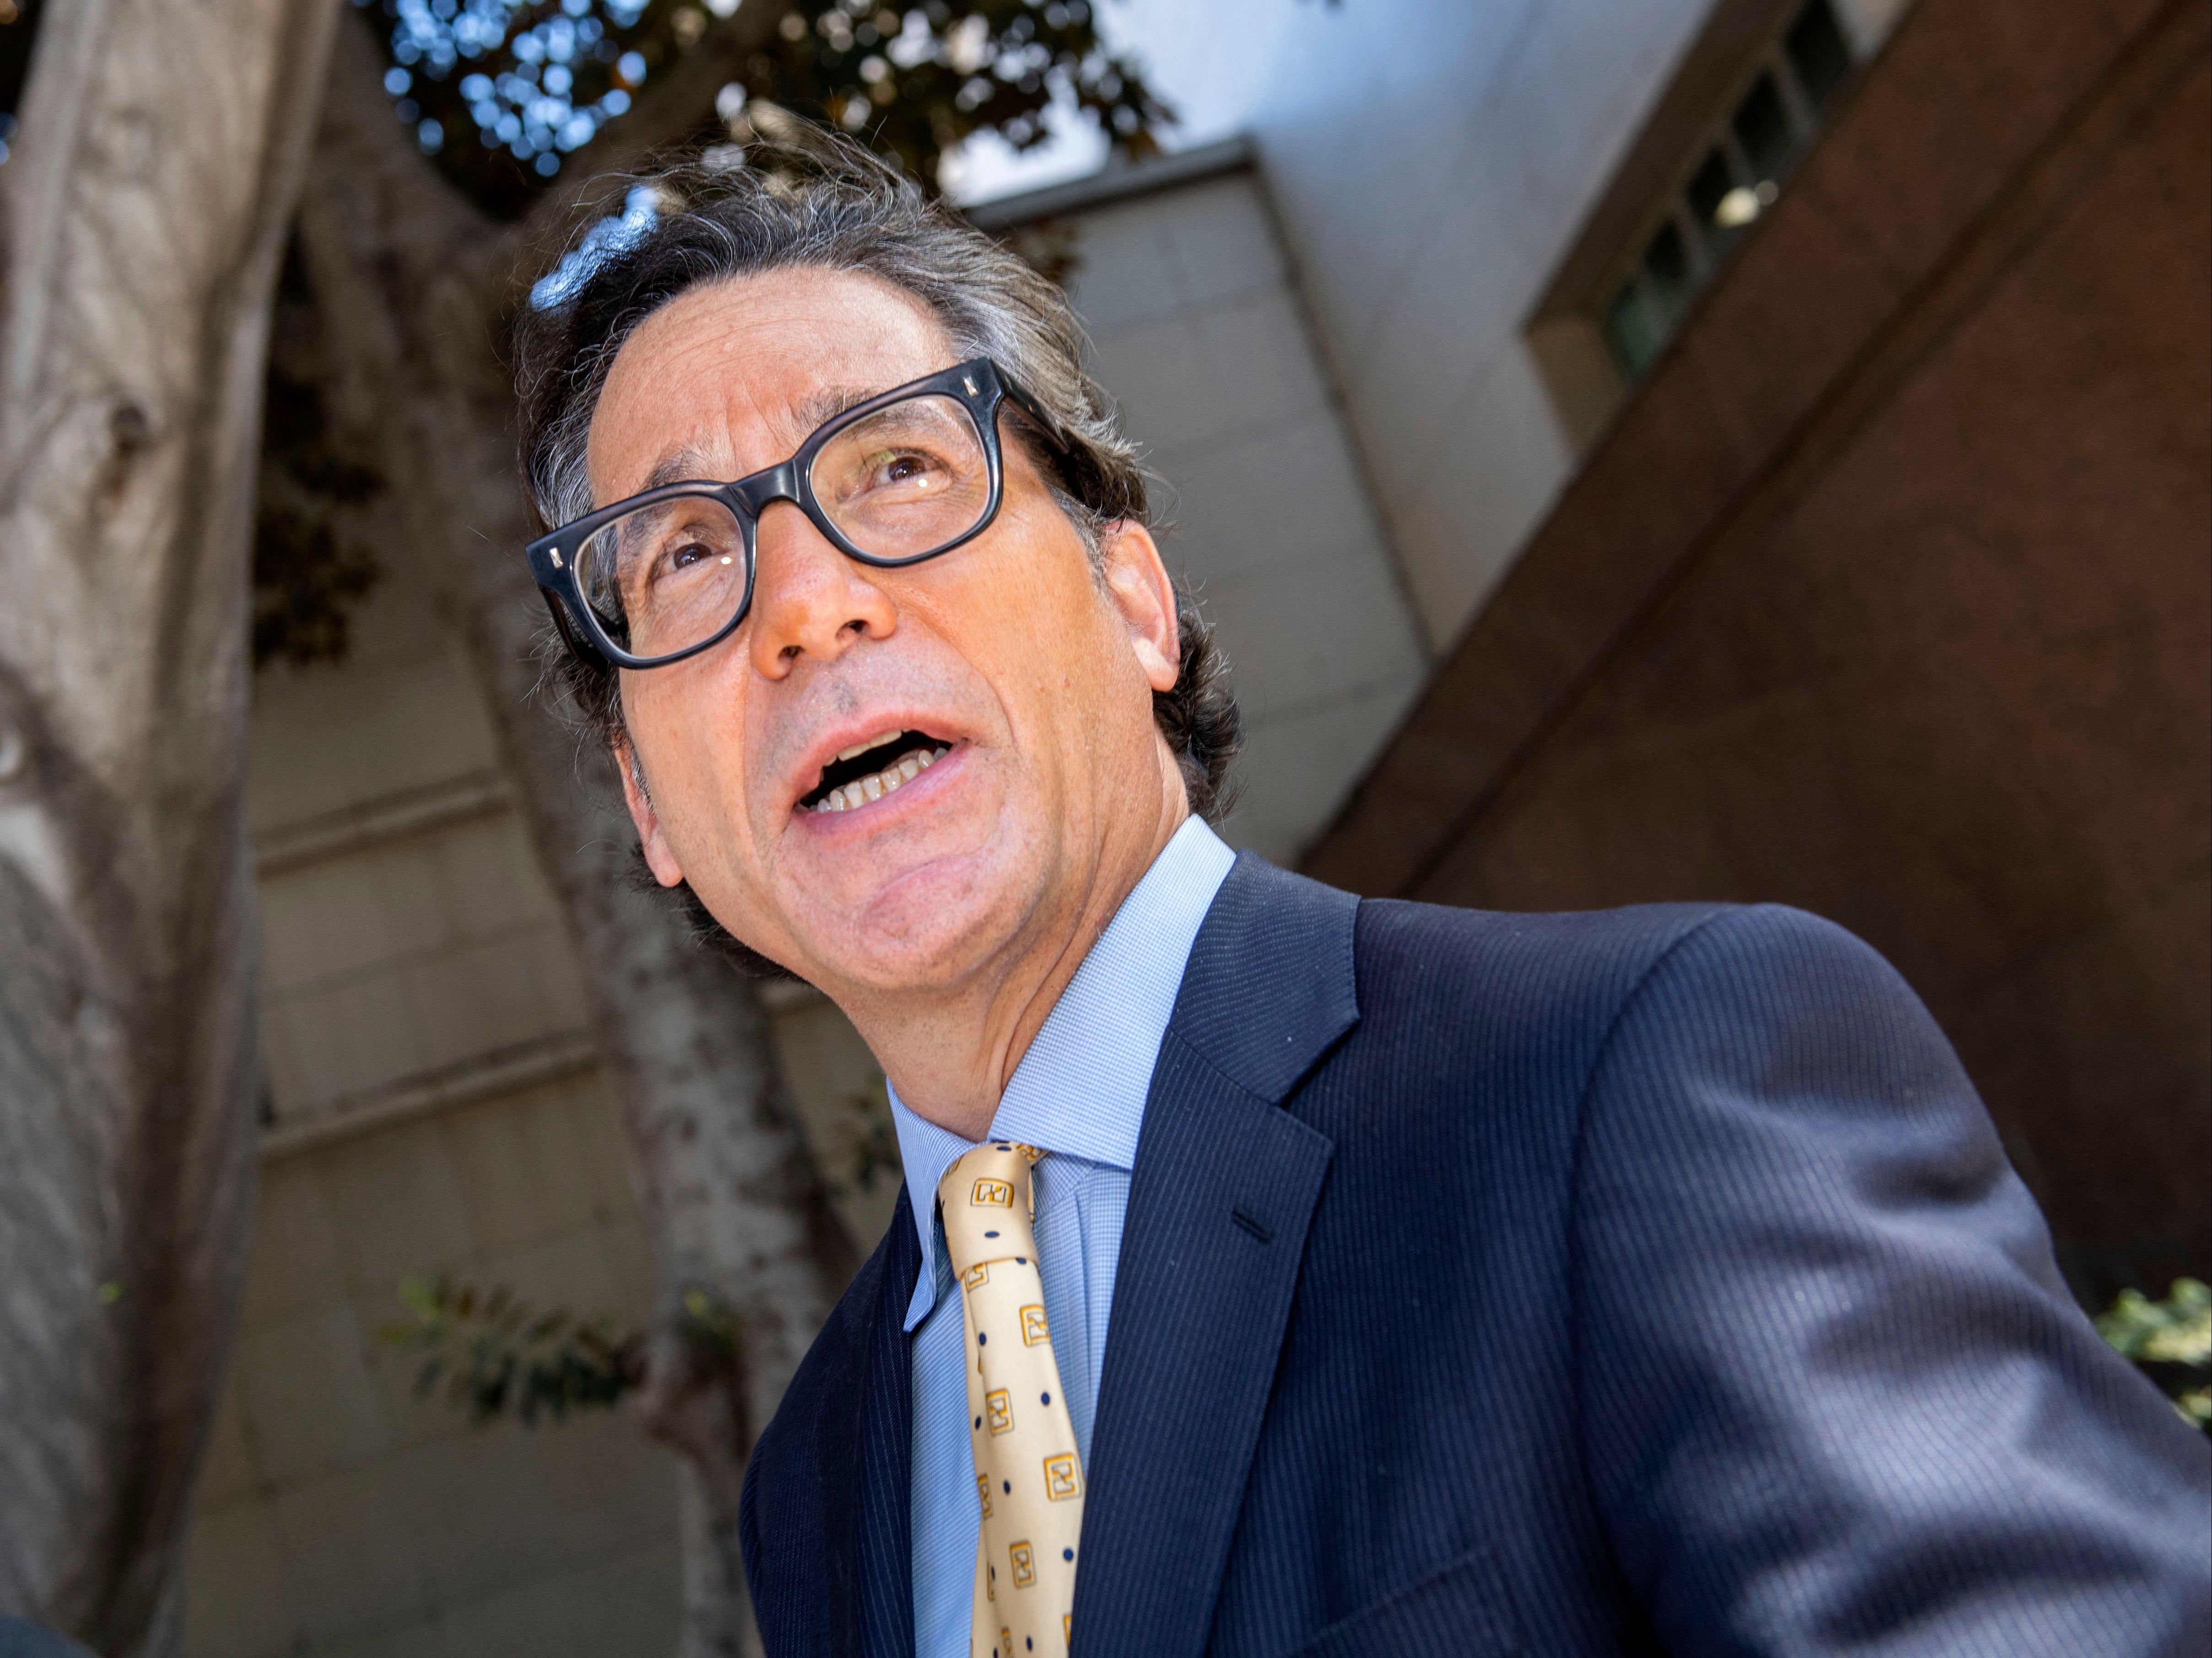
(1835,1397)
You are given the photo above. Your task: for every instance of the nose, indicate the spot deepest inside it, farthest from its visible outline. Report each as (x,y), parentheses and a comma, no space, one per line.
(809,599)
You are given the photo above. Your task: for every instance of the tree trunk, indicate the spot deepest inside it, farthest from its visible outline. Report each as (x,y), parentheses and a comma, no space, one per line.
(144,209)
(412,290)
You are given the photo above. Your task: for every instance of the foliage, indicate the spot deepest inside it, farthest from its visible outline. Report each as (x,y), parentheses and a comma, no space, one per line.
(498,1356)
(873,1151)
(312,563)
(2169,1341)
(499,91)
(19,27)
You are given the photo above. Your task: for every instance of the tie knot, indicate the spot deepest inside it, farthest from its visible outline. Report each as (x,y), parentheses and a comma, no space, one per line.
(986,1200)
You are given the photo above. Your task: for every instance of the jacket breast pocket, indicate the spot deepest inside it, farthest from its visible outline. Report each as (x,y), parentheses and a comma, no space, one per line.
(1461,1610)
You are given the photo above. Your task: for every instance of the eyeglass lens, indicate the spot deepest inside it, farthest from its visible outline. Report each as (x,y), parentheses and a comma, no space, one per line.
(905,480)
(667,576)
(898,485)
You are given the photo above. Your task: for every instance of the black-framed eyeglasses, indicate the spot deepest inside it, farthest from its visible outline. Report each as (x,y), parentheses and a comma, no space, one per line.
(902,477)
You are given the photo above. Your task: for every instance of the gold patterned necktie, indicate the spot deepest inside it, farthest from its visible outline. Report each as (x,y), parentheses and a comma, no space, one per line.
(1028,1472)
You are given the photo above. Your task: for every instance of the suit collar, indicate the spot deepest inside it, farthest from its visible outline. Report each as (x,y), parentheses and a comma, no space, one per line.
(1270,986)
(1080,1089)
(1225,1185)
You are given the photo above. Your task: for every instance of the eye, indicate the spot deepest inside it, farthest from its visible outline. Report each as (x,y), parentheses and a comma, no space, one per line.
(692,553)
(890,469)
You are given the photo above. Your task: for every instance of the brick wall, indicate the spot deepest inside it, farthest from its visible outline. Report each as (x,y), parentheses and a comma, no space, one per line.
(1887,597)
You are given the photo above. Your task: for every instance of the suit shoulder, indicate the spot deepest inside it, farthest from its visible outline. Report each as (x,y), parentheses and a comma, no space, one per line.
(1422,950)
(1457,982)
(797,1512)
(1773,986)
(1396,937)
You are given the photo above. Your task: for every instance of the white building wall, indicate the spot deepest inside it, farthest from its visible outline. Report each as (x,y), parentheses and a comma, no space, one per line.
(340,1515)
(1431,163)
(1198,331)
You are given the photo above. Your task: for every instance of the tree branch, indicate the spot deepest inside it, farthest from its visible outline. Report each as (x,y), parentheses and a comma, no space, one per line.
(671,112)
(147,204)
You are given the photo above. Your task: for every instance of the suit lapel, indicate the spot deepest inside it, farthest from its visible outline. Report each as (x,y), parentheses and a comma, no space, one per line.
(825,1515)
(1225,1186)
(882,1546)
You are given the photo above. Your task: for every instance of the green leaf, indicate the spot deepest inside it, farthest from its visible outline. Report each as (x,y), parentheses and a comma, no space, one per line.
(499,1357)
(2176,1331)
(2166,1339)
(2196,1407)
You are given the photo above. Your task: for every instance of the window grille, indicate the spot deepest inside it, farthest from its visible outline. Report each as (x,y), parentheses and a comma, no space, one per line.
(1736,172)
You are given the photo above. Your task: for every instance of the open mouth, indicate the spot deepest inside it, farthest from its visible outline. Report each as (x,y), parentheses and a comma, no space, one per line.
(868,771)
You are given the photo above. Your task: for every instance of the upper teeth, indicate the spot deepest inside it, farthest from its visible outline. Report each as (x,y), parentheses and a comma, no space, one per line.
(876,785)
(860,749)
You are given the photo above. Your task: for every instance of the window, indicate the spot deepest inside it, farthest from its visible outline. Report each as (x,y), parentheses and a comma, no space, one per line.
(1741,109)
(1733,174)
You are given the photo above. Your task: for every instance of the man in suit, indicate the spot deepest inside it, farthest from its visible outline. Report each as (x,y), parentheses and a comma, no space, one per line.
(1365,1277)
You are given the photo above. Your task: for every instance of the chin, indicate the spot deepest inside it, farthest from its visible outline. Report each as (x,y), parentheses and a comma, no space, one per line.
(930,926)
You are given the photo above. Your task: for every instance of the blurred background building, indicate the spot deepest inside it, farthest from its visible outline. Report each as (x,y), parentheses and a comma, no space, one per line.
(1745,449)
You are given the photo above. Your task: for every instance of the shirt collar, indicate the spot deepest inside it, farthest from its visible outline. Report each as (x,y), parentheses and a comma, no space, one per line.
(1080,1088)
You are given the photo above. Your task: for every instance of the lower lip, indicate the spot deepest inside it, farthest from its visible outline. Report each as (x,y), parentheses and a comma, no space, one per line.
(878,809)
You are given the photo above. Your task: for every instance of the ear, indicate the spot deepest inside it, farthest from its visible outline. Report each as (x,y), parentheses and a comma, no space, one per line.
(660,856)
(1137,579)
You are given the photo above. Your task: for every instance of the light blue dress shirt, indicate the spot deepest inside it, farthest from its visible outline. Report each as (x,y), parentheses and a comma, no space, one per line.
(1078,1093)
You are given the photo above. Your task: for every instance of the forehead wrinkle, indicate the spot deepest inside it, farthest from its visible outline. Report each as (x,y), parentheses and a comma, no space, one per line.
(689,462)
(777,400)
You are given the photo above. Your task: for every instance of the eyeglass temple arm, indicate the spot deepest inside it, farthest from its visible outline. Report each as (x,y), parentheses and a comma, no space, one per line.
(1051,430)
(578,647)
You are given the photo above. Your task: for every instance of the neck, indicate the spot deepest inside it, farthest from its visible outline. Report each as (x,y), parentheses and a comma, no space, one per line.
(951,1053)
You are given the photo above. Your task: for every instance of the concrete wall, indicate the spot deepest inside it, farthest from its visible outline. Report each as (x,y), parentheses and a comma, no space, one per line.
(1887,597)
(338,1512)
(435,1106)
(432,1107)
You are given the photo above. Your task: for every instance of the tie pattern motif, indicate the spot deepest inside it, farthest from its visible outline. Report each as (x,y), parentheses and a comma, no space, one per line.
(1028,1472)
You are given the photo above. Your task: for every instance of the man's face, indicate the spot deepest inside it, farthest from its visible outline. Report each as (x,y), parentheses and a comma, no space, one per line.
(1030,674)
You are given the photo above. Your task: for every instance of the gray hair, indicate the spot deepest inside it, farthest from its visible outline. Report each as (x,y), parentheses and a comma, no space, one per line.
(832,205)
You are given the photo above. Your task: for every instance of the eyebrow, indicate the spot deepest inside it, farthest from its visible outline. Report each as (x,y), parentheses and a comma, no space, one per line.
(681,467)
(830,402)
(687,464)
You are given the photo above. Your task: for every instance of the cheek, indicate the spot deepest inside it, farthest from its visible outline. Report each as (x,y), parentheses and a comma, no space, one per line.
(693,766)
(1028,604)
(1023,638)
(1072,690)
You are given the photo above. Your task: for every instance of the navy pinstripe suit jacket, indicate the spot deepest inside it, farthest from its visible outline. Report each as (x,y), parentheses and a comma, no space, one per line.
(1642,1281)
